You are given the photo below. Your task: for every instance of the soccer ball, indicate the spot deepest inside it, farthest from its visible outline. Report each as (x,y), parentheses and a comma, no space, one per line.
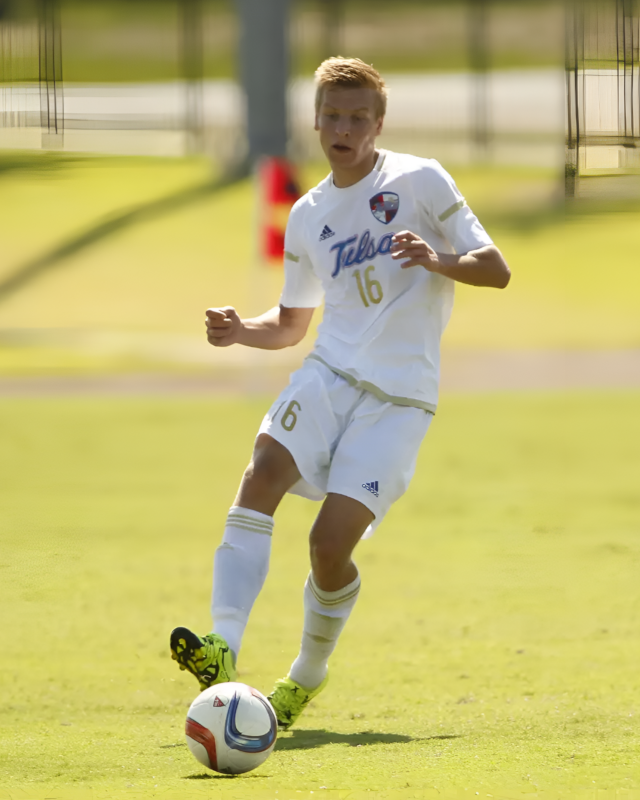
(231,728)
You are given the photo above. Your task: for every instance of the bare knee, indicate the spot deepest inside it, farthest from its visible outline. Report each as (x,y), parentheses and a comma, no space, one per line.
(272,464)
(327,554)
(331,563)
(269,475)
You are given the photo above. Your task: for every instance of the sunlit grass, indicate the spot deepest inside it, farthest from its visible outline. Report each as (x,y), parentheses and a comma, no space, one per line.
(495,644)
(575,283)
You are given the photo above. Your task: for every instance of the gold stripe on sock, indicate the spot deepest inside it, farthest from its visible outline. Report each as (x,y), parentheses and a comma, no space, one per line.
(251,528)
(238,515)
(231,519)
(343,598)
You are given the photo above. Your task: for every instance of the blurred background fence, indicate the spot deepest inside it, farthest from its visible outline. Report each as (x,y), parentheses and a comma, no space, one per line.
(109,255)
(603,89)
(469,79)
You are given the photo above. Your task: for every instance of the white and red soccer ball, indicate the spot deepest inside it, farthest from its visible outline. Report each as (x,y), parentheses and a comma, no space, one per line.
(231,728)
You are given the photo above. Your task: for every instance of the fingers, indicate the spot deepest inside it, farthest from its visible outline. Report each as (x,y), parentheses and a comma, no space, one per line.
(413,251)
(218,322)
(220,317)
(220,313)
(418,252)
(405,236)
(407,247)
(219,336)
(220,325)
(406,244)
(217,340)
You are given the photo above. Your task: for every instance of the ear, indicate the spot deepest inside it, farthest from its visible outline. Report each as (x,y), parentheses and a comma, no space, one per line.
(379,124)
(316,124)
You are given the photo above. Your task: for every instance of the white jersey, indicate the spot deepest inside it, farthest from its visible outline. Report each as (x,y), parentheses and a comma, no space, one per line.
(382,324)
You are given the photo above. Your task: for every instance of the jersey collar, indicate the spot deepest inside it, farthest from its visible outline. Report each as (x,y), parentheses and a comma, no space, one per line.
(368,179)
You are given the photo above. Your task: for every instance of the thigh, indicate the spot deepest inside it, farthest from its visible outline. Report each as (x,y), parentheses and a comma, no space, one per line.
(376,456)
(270,474)
(340,524)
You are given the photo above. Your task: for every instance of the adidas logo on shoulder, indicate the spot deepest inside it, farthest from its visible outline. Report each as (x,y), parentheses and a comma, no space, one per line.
(371,487)
(327,233)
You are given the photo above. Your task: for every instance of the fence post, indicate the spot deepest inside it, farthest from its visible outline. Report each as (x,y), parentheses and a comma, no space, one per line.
(50,74)
(479,49)
(192,73)
(264,70)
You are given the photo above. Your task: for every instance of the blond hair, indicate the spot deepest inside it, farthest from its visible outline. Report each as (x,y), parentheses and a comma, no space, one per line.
(350,73)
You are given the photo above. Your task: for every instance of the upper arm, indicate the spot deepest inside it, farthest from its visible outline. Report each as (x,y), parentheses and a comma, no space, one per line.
(451,214)
(302,287)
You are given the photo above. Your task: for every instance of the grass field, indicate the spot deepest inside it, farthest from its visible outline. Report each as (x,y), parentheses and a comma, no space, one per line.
(494,650)
(575,281)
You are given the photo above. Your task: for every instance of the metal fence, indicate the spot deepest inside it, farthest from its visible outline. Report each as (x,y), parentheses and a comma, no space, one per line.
(469,79)
(603,89)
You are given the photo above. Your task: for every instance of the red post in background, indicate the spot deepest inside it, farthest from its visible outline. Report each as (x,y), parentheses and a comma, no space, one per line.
(279,190)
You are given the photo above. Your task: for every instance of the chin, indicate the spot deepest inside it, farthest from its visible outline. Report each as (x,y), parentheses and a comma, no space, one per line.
(349,159)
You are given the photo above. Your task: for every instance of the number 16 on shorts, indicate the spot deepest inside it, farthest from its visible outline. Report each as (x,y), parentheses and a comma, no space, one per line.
(290,417)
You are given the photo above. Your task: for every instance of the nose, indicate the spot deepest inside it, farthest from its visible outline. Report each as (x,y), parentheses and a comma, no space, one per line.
(343,126)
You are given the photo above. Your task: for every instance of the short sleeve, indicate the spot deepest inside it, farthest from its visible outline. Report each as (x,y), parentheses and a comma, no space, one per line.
(450,212)
(302,287)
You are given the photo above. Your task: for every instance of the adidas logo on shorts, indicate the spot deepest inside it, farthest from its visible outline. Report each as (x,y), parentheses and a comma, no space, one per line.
(327,233)
(371,487)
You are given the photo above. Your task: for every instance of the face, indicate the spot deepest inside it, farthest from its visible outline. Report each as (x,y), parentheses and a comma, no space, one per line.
(348,126)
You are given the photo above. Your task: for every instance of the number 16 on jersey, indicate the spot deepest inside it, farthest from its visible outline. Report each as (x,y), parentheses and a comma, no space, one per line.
(369,289)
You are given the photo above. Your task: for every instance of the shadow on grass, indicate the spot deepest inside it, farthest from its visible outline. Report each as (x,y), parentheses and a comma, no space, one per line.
(114,224)
(306,740)
(216,776)
(555,214)
(37,161)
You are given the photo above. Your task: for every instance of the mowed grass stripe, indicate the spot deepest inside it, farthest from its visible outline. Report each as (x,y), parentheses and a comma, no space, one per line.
(494,646)
(175,266)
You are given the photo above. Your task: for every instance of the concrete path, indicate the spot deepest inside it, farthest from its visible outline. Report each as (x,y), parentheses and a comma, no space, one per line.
(461,372)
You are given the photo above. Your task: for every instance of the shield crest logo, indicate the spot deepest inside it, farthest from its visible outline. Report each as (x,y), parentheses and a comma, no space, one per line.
(384,206)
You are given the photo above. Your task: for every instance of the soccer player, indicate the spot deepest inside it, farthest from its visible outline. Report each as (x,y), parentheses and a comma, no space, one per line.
(382,240)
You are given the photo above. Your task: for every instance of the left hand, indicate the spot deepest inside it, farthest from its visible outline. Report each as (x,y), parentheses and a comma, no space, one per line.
(420,254)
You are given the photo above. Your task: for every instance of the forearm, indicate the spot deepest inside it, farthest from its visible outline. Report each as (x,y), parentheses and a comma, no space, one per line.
(484,267)
(272,330)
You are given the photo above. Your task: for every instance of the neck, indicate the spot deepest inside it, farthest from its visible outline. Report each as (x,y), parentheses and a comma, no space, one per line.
(347,176)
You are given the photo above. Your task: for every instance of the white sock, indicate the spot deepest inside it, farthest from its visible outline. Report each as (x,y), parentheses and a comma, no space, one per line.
(240,567)
(325,615)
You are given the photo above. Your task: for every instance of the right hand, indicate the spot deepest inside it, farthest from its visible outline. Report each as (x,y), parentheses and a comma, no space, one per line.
(223,326)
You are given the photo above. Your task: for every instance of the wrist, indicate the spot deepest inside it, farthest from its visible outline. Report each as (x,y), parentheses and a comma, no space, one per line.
(240,333)
(436,265)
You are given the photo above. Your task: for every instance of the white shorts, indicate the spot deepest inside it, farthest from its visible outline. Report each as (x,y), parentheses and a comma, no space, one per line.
(345,440)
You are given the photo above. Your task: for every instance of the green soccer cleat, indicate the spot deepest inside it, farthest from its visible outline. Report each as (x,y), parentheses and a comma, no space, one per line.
(289,700)
(207,657)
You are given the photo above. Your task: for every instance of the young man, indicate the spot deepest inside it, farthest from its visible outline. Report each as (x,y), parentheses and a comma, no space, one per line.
(382,239)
